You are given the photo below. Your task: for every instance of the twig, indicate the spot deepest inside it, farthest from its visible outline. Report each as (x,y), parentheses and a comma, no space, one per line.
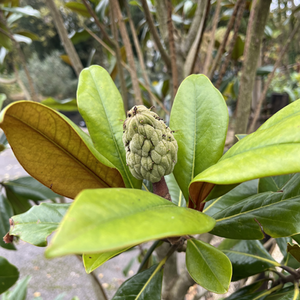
(112,52)
(172,50)
(129,53)
(269,243)
(201,36)
(212,38)
(63,35)
(119,60)
(270,77)
(161,189)
(223,44)
(155,35)
(231,44)
(139,51)
(148,254)
(100,26)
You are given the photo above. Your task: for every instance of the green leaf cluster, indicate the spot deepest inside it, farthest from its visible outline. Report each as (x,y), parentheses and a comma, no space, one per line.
(249,192)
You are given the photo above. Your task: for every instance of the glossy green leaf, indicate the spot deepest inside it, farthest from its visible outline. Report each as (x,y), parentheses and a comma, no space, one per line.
(38,223)
(269,211)
(274,184)
(289,293)
(63,105)
(199,117)
(175,192)
(112,219)
(9,274)
(30,188)
(19,292)
(288,259)
(242,191)
(270,151)
(18,203)
(78,8)
(294,249)
(55,151)
(208,266)
(146,285)
(101,106)
(248,292)
(93,261)
(247,257)
(5,213)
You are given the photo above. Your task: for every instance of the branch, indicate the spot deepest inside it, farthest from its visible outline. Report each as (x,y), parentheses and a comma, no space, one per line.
(100,26)
(194,28)
(63,34)
(212,38)
(139,51)
(119,59)
(223,44)
(172,50)
(193,51)
(231,44)
(155,35)
(271,75)
(161,16)
(112,52)
(255,32)
(129,53)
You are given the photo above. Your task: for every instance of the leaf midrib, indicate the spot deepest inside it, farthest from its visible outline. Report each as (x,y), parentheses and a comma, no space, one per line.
(113,135)
(65,151)
(253,210)
(207,264)
(274,263)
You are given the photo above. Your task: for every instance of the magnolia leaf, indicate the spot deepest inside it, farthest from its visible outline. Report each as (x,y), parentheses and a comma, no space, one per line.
(93,261)
(112,219)
(269,211)
(145,285)
(208,266)
(102,108)
(35,225)
(9,274)
(199,118)
(270,151)
(247,257)
(55,151)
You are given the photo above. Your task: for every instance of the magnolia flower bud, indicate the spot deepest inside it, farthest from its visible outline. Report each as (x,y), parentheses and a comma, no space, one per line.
(151,149)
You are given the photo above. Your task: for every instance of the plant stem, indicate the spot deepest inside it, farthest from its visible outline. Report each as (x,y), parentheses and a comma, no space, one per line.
(119,59)
(231,44)
(100,26)
(223,44)
(160,188)
(126,67)
(129,53)
(172,50)
(148,254)
(63,34)
(139,52)
(155,35)
(212,38)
